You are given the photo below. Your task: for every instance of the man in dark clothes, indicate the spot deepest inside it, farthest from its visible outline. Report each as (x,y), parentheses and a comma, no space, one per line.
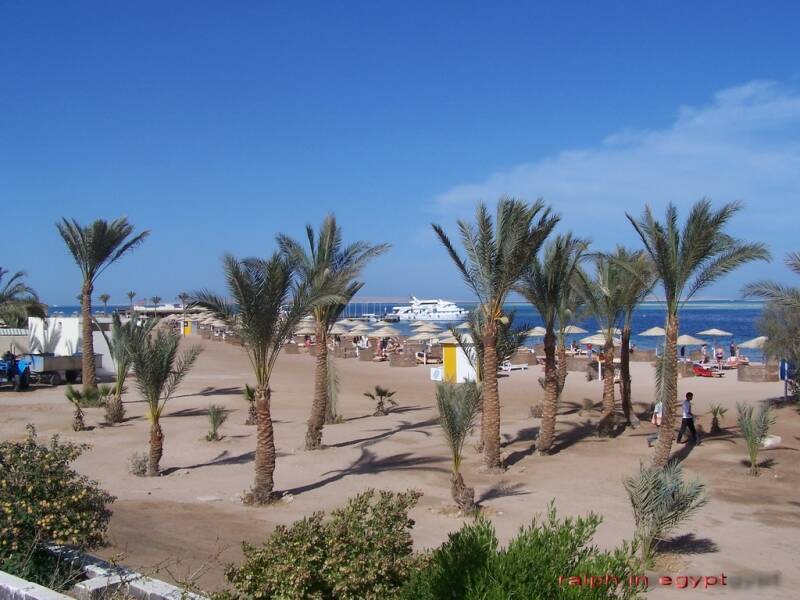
(687,422)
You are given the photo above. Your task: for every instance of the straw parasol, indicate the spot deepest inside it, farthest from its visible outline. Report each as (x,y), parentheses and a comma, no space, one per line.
(417,323)
(617,331)
(449,340)
(574,329)
(757,343)
(420,337)
(464,325)
(688,340)
(599,340)
(653,332)
(537,331)
(385,331)
(339,329)
(429,328)
(361,329)
(306,329)
(715,333)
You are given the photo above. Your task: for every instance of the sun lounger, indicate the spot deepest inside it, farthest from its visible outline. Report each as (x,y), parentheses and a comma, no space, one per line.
(701,371)
(507,367)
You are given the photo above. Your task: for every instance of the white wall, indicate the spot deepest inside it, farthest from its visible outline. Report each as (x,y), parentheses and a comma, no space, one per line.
(464,370)
(62,337)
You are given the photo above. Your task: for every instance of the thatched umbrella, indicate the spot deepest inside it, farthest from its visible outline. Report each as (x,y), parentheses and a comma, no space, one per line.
(757,343)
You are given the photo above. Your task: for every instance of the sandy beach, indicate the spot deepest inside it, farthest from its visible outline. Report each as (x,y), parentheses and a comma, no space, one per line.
(191,519)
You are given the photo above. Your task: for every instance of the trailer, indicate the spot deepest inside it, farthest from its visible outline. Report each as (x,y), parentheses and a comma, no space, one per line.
(51,369)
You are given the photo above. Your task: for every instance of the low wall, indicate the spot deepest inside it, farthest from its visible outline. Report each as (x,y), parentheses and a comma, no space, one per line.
(103,580)
(758,373)
(643,356)
(685,369)
(577,363)
(365,354)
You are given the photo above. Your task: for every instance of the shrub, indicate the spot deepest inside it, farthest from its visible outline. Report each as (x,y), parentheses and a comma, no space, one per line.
(471,566)
(537,410)
(754,430)
(717,415)
(43,500)
(661,500)
(363,551)
(586,406)
(217,415)
(137,464)
(381,396)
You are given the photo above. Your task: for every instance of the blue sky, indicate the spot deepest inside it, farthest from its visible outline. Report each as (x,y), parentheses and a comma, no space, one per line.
(216,125)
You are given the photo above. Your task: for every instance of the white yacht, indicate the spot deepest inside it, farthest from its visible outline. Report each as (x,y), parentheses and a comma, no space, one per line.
(428,310)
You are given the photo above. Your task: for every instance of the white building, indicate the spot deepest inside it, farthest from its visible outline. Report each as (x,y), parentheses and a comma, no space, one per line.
(61,336)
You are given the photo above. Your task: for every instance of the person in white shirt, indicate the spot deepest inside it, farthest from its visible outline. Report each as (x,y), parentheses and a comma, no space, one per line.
(687,422)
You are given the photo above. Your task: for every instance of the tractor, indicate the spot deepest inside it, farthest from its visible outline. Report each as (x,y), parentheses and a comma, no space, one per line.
(16,371)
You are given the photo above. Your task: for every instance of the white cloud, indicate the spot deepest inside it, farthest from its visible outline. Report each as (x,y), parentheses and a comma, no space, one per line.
(743,145)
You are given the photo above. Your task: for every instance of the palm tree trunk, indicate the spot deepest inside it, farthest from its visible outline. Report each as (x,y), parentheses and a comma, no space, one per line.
(608,420)
(670,398)
(156,449)
(548,423)
(625,378)
(317,419)
(491,399)
(89,375)
(562,366)
(265,448)
(463,496)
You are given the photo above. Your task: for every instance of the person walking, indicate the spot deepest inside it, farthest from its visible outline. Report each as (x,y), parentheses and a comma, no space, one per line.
(687,422)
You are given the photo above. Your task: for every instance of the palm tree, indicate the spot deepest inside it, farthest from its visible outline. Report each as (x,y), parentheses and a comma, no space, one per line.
(259,289)
(546,284)
(637,279)
(159,370)
(124,336)
(18,300)
(381,396)
(326,264)
(686,261)
(104,298)
(94,248)
(604,300)
(570,311)
(131,295)
(496,255)
(458,406)
(156,300)
(775,292)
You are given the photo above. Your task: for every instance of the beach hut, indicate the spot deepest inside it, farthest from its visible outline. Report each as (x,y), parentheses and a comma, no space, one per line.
(456,365)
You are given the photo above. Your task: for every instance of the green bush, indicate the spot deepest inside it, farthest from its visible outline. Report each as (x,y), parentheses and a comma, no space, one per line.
(471,566)
(43,500)
(363,551)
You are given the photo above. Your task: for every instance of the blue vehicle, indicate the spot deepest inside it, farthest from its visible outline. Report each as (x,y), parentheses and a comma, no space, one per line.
(16,371)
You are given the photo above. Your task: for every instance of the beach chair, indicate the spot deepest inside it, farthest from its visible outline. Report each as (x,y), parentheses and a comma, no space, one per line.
(701,371)
(508,366)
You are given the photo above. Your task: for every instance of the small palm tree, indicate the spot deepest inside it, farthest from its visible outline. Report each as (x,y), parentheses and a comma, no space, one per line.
(327,266)
(547,285)
(717,415)
(686,261)
(217,415)
(497,253)
(458,406)
(156,300)
(131,295)
(104,298)
(381,396)
(124,336)
(159,369)
(79,400)
(661,500)
(260,289)
(94,248)
(604,299)
(754,430)
(18,300)
(637,278)
(249,394)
